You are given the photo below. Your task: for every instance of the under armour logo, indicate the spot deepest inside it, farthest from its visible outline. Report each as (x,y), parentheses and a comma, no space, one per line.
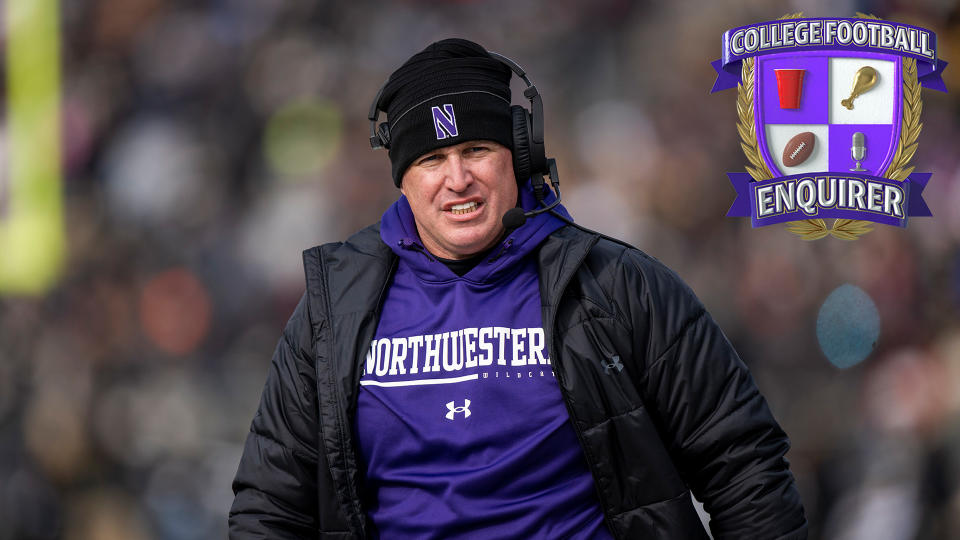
(615,364)
(454,410)
(444,121)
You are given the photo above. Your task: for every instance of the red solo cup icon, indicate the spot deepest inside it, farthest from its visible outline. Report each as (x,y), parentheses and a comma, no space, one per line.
(790,86)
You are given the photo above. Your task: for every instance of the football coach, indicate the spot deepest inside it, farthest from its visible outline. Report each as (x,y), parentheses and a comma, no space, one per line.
(475,365)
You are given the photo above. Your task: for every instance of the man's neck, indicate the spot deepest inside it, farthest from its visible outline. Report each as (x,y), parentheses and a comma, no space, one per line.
(461,266)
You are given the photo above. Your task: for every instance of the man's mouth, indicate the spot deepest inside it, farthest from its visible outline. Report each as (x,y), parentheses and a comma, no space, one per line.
(465,208)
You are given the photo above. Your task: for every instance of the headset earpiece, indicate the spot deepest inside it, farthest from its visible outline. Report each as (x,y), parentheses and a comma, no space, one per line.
(379,135)
(521,142)
(383,135)
(529,152)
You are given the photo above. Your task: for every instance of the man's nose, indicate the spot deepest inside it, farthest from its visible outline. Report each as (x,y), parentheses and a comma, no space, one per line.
(458,175)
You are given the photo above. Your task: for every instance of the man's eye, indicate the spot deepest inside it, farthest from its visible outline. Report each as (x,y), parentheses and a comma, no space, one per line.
(428,159)
(475,149)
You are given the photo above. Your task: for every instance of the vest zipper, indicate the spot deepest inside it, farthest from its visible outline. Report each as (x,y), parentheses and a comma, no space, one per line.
(354,502)
(554,342)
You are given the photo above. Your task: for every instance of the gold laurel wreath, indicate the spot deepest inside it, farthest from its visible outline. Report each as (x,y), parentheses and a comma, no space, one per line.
(899,169)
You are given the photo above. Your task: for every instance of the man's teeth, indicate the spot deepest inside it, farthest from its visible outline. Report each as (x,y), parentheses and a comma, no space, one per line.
(463,208)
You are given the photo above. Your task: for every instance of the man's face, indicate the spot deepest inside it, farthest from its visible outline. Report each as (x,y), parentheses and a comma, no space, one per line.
(459,194)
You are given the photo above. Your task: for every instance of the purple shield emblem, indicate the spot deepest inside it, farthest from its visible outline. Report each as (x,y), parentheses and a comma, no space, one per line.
(829,80)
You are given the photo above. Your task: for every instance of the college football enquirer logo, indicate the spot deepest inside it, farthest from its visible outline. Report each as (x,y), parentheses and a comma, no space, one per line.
(829,117)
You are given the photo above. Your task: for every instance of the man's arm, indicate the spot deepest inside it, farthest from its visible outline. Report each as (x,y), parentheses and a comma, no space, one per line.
(275,487)
(719,430)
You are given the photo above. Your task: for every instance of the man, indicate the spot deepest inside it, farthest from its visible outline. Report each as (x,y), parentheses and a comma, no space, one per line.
(447,377)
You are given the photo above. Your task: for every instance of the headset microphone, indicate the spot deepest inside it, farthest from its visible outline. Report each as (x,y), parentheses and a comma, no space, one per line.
(515,217)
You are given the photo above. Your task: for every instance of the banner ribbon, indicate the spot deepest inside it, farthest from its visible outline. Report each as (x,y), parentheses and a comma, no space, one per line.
(821,34)
(829,195)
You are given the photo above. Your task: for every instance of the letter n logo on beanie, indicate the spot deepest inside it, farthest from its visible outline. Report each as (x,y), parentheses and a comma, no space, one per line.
(444,121)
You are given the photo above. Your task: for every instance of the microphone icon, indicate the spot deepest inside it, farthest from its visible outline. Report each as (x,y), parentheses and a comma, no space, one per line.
(858,150)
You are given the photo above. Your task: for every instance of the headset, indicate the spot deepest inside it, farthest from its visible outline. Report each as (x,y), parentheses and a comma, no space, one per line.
(529,154)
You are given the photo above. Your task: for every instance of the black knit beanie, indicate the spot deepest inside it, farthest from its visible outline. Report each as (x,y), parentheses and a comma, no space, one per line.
(450,92)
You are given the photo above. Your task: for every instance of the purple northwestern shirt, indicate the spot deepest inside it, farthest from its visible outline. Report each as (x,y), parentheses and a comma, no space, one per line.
(460,423)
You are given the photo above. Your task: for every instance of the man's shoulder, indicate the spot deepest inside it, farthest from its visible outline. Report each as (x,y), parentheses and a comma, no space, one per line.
(365,241)
(606,251)
(348,274)
(629,271)
(629,258)
(360,246)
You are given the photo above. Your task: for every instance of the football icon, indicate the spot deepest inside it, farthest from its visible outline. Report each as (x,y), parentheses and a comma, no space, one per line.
(798,149)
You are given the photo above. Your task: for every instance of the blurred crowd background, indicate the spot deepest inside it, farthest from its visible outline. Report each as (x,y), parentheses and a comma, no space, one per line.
(205,144)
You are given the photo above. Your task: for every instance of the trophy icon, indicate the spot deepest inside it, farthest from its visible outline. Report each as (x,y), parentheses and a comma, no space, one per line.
(865,79)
